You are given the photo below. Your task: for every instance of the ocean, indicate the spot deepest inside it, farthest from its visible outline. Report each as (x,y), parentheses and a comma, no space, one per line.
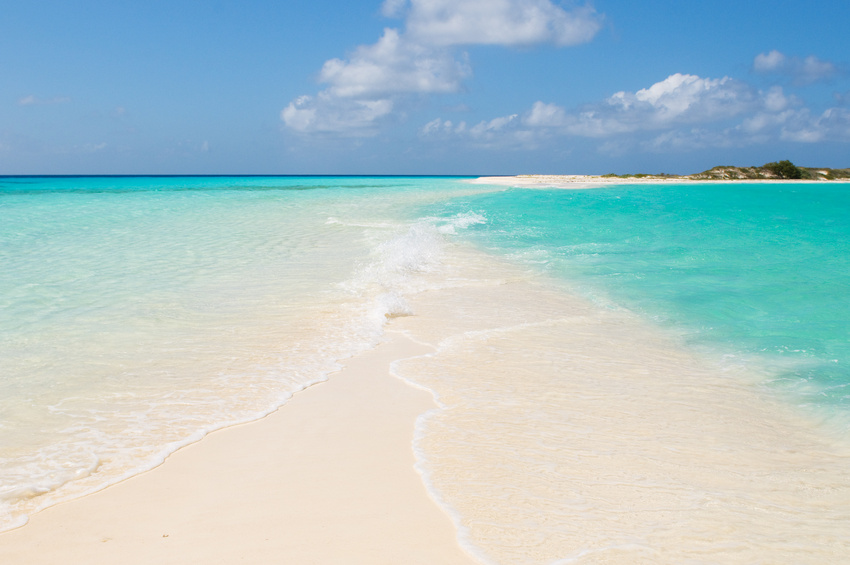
(634,373)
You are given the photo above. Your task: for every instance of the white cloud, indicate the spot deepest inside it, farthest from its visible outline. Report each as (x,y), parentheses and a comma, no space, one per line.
(813,69)
(677,100)
(681,112)
(769,62)
(797,124)
(393,8)
(376,79)
(329,114)
(833,124)
(764,121)
(33,100)
(546,115)
(393,65)
(801,70)
(689,139)
(775,99)
(364,89)
(500,22)
(682,98)
(437,125)
(836,123)
(486,128)
(802,135)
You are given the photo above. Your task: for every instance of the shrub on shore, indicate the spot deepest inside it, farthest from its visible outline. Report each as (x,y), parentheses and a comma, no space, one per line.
(774,170)
(785,170)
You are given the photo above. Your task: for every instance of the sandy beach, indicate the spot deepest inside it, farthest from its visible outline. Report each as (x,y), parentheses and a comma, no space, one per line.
(571,181)
(328,478)
(567,428)
(596,181)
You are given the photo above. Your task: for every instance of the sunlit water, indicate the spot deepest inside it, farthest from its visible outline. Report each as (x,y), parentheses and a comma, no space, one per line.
(628,374)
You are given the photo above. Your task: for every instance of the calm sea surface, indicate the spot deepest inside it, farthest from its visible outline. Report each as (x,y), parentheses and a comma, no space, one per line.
(759,270)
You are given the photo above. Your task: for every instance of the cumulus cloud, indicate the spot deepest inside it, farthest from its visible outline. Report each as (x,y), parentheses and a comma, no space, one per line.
(681,112)
(326,113)
(682,98)
(375,80)
(500,22)
(800,70)
(832,125)
(678,99)
(391,66)
(362,90)
(546,115)
(770,62)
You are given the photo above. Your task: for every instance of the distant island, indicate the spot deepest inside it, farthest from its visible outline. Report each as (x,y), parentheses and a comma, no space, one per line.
(780,170)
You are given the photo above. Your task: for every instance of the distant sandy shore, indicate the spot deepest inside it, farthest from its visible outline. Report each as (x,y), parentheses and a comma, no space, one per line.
(328,478)
(595,181)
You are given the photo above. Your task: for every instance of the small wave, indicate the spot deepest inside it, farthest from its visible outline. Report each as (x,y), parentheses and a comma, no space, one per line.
(398,264)
(48,483)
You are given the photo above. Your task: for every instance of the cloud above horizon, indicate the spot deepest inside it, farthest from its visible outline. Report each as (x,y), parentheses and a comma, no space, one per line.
(367,87)
(33,100)
(680,112)
(801,71)
(496,22)
(376,85)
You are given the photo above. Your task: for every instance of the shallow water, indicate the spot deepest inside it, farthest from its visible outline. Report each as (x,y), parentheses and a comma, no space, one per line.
(628,374)
(138,314)
(753,270)
(569,433)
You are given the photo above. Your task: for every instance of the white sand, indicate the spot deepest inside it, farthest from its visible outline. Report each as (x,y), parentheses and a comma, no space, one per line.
(596,181)
(328,478)
(571,181)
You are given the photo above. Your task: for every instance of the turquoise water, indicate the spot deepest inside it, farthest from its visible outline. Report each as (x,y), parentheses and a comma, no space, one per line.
(758,271)
(139,314)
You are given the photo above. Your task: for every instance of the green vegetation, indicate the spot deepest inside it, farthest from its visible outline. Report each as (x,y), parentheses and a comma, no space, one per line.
(779,170)
(787,170)
(837,174)
(775,170)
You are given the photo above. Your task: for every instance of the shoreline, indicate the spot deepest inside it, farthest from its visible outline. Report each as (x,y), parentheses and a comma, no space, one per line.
(506,419)
(598,181)
(328,478)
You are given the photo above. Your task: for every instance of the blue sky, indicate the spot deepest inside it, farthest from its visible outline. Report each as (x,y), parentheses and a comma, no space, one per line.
(421,86)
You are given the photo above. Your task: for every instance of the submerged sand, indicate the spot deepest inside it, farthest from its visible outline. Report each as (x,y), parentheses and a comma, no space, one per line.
(328,478)
(567,431)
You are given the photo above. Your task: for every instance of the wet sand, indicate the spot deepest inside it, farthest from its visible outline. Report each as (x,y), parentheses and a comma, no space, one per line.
(328,478)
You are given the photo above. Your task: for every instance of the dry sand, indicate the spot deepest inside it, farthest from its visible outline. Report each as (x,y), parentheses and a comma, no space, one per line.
(328,478)
(596,181)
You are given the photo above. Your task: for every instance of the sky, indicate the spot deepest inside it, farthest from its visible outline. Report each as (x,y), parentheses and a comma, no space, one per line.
(455,87)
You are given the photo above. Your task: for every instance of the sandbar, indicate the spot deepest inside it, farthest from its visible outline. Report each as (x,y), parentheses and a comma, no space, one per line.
(597,181)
